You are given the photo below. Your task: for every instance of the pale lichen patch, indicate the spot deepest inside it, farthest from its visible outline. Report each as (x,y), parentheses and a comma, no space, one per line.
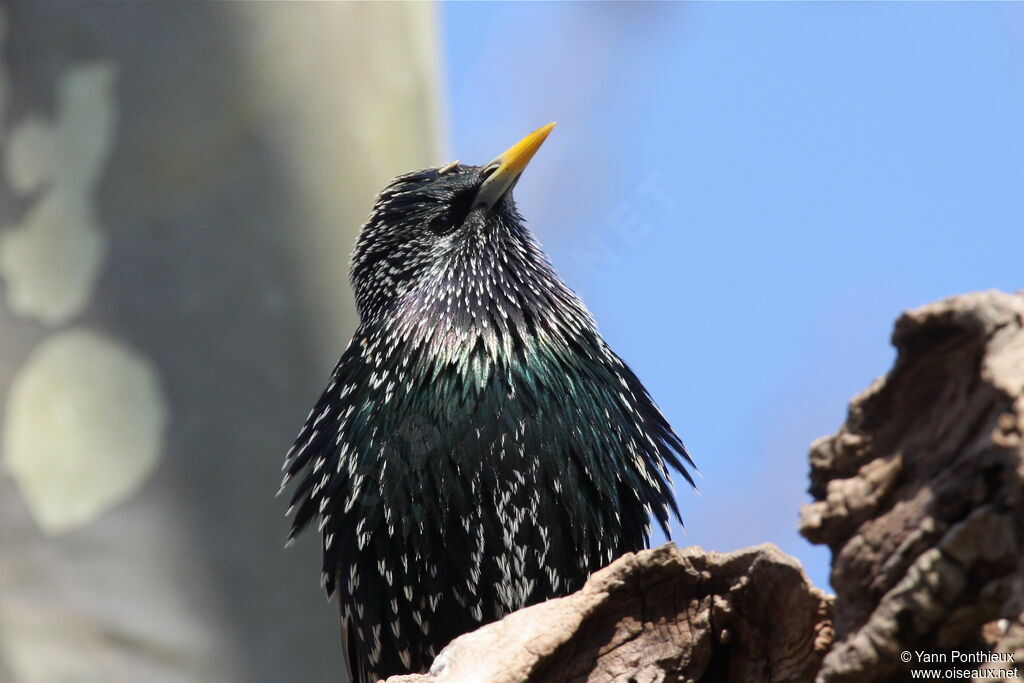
(84,427)
(51,258)
(4,83)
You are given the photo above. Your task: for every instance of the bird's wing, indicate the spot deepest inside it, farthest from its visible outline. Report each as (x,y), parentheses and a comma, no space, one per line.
(350,651)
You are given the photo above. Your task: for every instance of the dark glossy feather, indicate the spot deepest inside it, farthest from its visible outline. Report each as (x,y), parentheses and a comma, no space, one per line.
(479,447)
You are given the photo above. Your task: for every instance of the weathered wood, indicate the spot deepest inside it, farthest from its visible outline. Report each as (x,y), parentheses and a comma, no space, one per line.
(920,495)
(667,614)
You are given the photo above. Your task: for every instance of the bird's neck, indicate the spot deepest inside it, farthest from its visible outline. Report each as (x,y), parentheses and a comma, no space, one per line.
(485,320)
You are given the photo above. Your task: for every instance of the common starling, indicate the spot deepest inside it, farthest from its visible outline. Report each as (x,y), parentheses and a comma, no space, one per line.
(478,447)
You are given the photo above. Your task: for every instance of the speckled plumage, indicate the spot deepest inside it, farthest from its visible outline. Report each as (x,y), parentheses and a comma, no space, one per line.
(478,447)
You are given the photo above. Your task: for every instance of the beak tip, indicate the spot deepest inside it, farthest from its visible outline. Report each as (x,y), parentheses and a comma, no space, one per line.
(511,163)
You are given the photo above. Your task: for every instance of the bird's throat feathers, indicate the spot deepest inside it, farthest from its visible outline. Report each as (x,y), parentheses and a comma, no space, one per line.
(491,300)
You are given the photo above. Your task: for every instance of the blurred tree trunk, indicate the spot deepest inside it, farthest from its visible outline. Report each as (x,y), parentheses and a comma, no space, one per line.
(180,185)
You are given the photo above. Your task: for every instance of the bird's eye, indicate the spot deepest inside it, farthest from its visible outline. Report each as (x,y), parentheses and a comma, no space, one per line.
(455,214)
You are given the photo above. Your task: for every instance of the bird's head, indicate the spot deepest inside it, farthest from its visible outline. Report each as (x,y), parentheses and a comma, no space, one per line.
(443,230)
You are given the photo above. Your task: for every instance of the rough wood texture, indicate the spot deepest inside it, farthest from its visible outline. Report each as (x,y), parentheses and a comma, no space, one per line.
(919,494)
(667,614)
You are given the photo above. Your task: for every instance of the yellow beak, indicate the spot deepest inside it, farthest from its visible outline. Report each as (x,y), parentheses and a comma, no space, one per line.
(509,165)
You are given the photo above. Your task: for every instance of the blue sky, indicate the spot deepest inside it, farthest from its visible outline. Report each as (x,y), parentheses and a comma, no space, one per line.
(747,195)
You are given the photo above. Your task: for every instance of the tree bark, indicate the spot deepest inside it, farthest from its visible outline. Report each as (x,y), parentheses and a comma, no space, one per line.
(667,614)
(180,187)
(920,496)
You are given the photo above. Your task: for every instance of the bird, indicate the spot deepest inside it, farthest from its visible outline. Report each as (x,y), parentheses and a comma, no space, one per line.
(478,447)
